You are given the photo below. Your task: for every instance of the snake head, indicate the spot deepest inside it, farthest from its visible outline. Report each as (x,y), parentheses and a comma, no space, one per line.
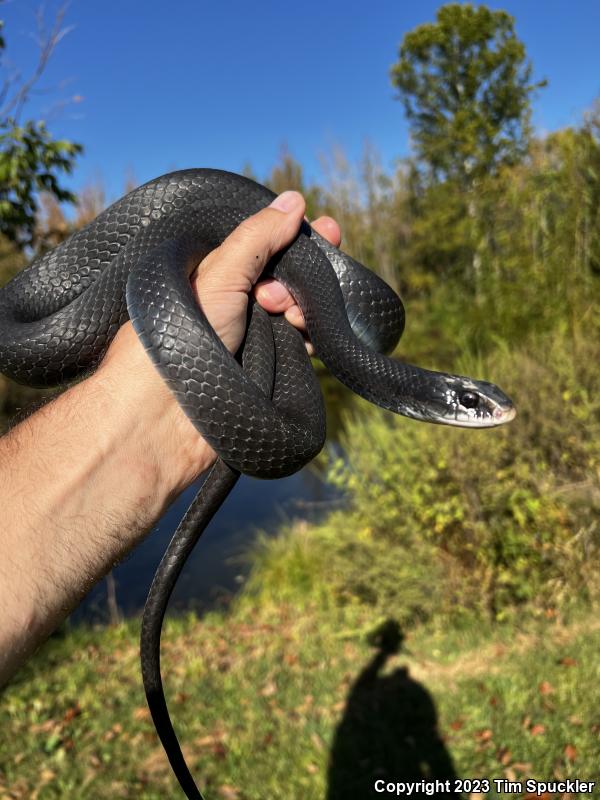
(461,401)
(476,404)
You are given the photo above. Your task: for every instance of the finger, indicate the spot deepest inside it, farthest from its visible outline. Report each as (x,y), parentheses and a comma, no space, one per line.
(272,295)
(329,229)
(236,264)
(295,317)
(275,298)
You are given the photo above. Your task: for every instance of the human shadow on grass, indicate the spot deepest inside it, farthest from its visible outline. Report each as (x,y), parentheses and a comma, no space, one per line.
(388,732)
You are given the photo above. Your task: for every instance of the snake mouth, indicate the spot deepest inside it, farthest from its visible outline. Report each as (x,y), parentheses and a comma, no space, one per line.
(502,415)
(499,416)
(476,404)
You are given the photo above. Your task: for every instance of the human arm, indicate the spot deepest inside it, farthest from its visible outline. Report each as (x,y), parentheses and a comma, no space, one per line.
(84,478)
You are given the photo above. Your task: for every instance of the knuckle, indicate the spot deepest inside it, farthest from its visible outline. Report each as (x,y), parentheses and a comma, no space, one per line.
(254,241)
(262,230)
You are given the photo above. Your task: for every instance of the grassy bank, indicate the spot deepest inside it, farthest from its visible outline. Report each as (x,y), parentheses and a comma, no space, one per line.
(502,523)
(279,702)
(443,623)
(441,626)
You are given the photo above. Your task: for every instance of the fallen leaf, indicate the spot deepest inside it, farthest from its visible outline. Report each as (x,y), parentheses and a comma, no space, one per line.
(523,767)
(484,736)
(537,730)
(269,689)
(504,756)
(116,729)
(72,712)
(155,763)
(205,741)
(457,724)
(45,727)
(546,688)
(567,661)
(141,713)
(570,753)
(228,791)
(209,741)
(219,751)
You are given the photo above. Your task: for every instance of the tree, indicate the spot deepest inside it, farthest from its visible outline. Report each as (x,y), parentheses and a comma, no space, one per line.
(466,85)
(288,174)
(30,159)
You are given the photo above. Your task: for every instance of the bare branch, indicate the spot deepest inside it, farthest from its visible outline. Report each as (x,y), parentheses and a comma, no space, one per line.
(7,83)
(47,41)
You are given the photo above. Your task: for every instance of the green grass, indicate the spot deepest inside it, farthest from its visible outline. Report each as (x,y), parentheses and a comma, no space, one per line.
(283,702)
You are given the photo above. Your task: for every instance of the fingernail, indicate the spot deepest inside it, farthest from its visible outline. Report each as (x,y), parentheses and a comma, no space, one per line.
(274,292)
(287,201)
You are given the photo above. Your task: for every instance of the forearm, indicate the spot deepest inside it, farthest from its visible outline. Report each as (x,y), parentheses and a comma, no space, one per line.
(84,479)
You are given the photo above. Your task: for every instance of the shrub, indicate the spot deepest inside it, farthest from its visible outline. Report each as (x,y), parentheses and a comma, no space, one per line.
(494,519)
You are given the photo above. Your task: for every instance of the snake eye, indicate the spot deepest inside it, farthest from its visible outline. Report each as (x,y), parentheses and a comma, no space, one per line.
(469,400)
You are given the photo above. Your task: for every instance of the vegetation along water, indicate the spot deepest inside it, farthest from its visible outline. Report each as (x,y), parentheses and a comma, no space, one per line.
(441,622)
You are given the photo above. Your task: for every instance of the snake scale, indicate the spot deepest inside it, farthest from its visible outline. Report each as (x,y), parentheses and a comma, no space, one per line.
(262,410)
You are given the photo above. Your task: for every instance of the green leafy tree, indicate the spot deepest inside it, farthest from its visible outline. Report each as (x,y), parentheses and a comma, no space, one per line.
(465,82)
(31,161)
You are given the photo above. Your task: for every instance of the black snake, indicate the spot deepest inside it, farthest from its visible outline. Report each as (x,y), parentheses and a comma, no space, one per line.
(261,411)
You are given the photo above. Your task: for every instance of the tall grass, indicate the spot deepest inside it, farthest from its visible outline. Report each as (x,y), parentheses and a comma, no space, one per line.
(455,524)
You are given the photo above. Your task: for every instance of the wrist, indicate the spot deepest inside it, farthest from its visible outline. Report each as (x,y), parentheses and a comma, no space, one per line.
(146,413)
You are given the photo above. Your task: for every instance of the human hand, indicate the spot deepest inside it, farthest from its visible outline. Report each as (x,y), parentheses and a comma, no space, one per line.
(225,277)
(120,448)
(221,284)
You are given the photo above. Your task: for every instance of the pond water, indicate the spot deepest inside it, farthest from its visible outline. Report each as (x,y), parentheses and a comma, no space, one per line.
(219,564)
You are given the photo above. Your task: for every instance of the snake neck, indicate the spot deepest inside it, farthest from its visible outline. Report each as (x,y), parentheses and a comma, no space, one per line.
(402,388)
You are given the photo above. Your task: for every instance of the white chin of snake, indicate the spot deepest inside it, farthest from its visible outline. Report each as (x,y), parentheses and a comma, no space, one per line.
(499,417)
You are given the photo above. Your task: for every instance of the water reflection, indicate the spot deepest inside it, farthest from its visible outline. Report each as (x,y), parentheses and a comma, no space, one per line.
(218,566)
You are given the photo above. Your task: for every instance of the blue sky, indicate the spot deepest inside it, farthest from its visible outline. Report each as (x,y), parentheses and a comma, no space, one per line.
(178,84)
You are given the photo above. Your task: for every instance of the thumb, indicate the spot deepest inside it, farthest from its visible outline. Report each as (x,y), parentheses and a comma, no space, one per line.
(238,262)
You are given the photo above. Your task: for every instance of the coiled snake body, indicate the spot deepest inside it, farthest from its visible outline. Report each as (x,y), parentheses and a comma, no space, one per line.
(262,411)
